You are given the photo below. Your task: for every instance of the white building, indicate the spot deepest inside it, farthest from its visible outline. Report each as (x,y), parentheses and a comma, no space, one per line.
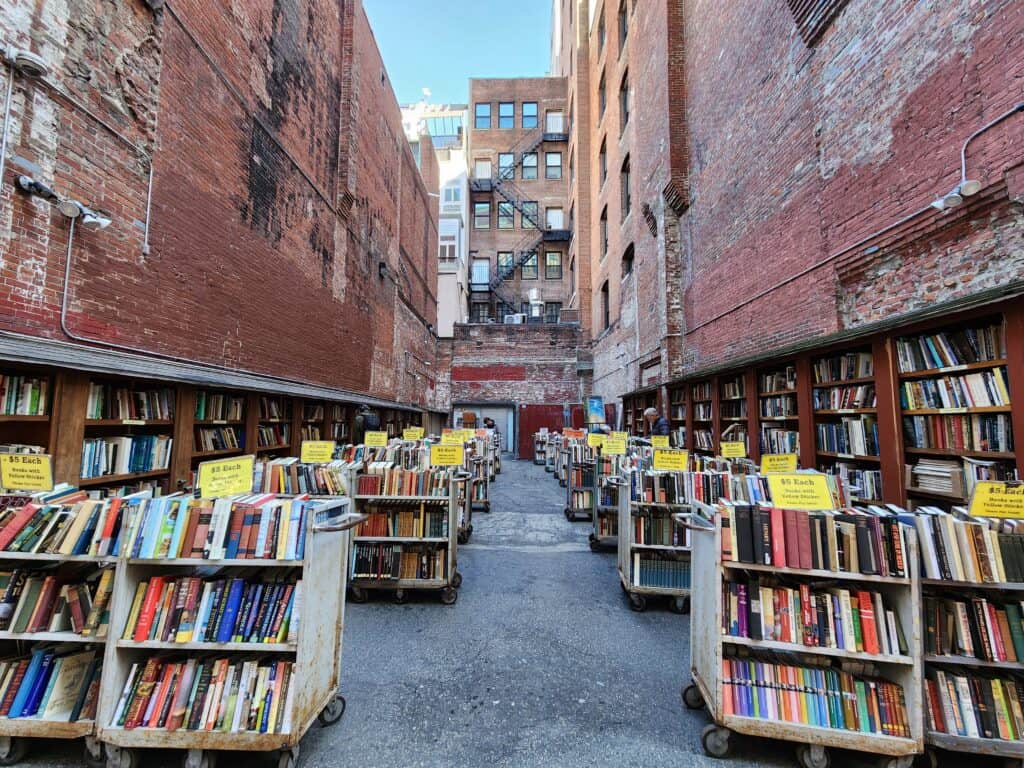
(445,125)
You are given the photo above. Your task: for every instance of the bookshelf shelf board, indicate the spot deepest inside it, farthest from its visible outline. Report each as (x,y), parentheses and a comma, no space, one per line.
(969,661)
(311,421)
(953,411)
(813,734)
(644,589)
(660,547)
(860,500)
(794,417)
(701,421)
(843,382)
(107,479)
(702,400)
(275,421)
(956,453)
(185,739)
(844,411)
(1003,586)
(220,452)
(774,645)
(223,647)
(56,557)
(936,494)
(951,369)
(217,422)
(129,422)
(740,397)
(777,393)
(50,637)
(198,562)
(278,447)
(415,539)
(674,420)
(656,504)
(850,456)
(366,583)
(999,747)
(734,418)
(817,573)
(405,499)
(15,417)
(47,729)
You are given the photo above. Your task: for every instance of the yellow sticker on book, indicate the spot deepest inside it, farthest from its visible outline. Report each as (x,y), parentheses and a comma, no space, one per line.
(316,451)
(671,461)
(412,433)
(800,491)
(225,477)
(734,450)
(375,439)
(778,462)
(613,446)
(595,439)
(619,435)
(446,455)
(26,472)
(996,499)
(660,441)
(452,439)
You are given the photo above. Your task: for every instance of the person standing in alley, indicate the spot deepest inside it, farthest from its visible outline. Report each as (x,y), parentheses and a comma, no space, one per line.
(366,421)
(656,423)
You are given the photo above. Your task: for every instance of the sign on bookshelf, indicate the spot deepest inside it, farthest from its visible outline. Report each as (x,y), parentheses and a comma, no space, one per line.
(672,461)
(619,436)
(800,491)
(26,472)
(446,455)
(376,439)
(660,441)
(595,439)
(613,446)
(316,451)
(225,477)
(453,438)
(996,499)
(412,433)
(778,462)
(734,450)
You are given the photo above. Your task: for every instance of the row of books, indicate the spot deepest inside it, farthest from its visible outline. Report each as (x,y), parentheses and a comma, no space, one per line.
(74,526)
(125,454)
(289,476)
(655,569)
(776,440)
(581,476)
(949,348)
(217,406)
(310,432)
(975,705)
(659,530)
(868,542)
(398,561)
(581,500)
(838,398)
(607,525)
(59,683)
(817,696)
(733,409)
(430,522)
(864,484)
(970,390)
(218,438)
(852,435)
(732,388)
(703,440)
(229,695)
(701,391)
(975,627)
(270,435)
(382,479)
(957,432)
(778,381)
(778,405)
(961,548)
(937,475)
(312,412)
(850,620)
(852,365)
(702,411)
(24,395)
(108,401)
(707,486)
(275,408)
(39,601)
(190,609)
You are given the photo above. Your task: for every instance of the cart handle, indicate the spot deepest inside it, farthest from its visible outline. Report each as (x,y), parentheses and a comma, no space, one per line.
(460,477)
(616,481)
(346,522)
(686,520)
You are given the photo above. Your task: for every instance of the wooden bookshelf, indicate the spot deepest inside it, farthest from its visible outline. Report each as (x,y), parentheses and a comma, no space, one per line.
(339,422)
(677,414)
(703,397)
(218,424)
(778,410)
(30,401)
(733,410)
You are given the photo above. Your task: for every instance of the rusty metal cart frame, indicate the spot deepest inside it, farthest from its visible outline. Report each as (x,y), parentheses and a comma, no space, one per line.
(598,541)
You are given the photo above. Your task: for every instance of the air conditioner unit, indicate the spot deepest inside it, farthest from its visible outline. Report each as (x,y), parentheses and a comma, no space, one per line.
(517,319)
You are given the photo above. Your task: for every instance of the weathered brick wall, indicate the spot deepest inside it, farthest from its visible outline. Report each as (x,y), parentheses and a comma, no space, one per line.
(281,179)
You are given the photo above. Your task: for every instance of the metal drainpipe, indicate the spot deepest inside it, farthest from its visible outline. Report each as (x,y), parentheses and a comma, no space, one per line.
(963,152)
(7,120)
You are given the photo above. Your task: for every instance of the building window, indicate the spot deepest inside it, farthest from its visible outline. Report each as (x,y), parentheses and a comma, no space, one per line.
(552,311)
(602,97)
(481,215)
(602,160)
(504,308)
(552,165)
(554,121)
(813,17)
(482,118)
(530,214)
(506,216)
(453,194)
(504,263)
(627,261)
(480,312)
(627,200)
(554,218)
(446,250)
(624,102)
(529,271)
(482,169)
(480,272)
(506,165)
(623,25)
(529,114)
(553,265)
(506,114)
(529,165)
(600,33)
(605,306)
(603,232)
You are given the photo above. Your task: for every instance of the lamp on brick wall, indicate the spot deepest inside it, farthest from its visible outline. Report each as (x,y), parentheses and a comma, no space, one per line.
(30,66)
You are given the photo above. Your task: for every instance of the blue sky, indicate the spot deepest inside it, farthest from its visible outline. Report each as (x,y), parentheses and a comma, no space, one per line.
(425,48)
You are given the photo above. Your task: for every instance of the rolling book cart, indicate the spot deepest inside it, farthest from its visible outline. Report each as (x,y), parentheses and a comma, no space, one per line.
(479,483)
(299,669)
(496,453)
(653,554)
(540,444)
(551,452)
(579,491)
(562,465)
(813,693)
(606,504)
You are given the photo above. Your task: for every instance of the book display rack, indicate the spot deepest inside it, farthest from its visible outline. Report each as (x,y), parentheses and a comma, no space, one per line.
(606,502)
(777,410)
(702,398)
(580,489)
(733,417)
(540,447)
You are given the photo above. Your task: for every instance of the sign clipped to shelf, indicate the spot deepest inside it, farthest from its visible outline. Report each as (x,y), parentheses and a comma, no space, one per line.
(734,450)
(613,446)
(595,439)
(671,461)
(452,438)
(799,490)
(660,441)
(619,436)
(992,498)
(778,462)
(574,434)
(376,439)
(482,433)
(26,472)
(316,451)
(225,477)
(412,433)
(446,455)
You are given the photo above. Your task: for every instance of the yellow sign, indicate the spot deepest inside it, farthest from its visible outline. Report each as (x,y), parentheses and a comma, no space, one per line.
(467,434)
(412,433)
(316,451)
(225,477)
(613,446)
(778,462)
(619,436)
(446,455)
(452,439)
(376,439)
(673,461)
(595,439)
(734,450)
(447,431)
(660,441)
(995,499)
(799,491)
(26,472)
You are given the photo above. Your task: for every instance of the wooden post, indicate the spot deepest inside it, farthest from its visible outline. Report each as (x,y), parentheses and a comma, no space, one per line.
(184,437)
(890,428)
(753,434)
(73,387)
(805,412)
(1015,368)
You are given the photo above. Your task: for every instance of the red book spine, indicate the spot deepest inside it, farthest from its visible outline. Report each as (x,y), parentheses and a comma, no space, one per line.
(792,538)
(13,528)
(803,523)
(868,627)
(807,615)
(12,689)
(778,530)
(42,613)
(149,604)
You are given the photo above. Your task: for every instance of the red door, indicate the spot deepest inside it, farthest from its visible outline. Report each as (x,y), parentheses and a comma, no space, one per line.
(531,419)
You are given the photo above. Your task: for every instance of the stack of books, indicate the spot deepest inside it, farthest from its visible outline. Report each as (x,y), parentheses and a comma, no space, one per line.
(39,601)
(23,395)
(957,547)
(974,705)
(125,454)
(59,683)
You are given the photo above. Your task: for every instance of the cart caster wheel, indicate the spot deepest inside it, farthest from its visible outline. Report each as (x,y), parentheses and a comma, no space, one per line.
(457,580)
(94,754)
(566,512)
(12,750)
(906,761)
(332,712)
(449,596)
(288,758)
(359,595)
(400,597)
(469,529)
(595,545)
(487,507)
(463,538)
(198,758)
(717,741)
(812,756)
(679,604)
(692,698)
(123,757)
(638,603)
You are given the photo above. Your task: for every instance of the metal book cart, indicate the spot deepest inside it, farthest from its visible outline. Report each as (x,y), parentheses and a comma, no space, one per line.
(479,482)
(316,650)
(551,451)
(540,444)
(605,533)
(465,506)
(579,491)
(709,646)
(447,584)
(638,581)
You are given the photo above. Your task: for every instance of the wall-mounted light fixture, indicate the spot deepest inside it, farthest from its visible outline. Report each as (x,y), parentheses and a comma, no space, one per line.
(382,269)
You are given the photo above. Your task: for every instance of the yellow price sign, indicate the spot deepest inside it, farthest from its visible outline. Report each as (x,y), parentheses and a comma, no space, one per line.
(619,436)
(595,439)
(778,462)
(446,455)
(996,499)
(468,434)
(225,477)
(26,471)
(672,461)
(316,451)
(447,431)
(574,434)
(613,446)
(800,491)
(660,441)
(376,439)
(452,439)
(412,433)
(734,450)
